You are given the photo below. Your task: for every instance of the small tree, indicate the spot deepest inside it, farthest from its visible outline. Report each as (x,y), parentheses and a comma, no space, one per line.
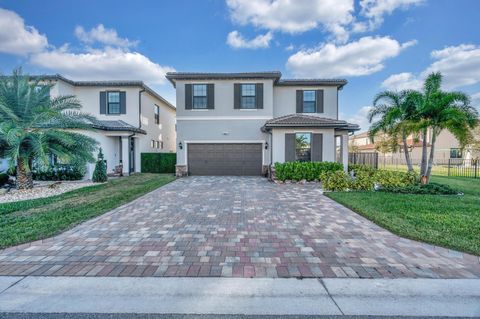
(100,172)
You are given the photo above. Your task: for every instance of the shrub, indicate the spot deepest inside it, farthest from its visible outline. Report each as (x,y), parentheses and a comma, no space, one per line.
(394,179)
(363,181)
(59,172)
(158,162)
(310,171)
(3,179)
(363,168)
(427,189)
(335,180)
(100,172)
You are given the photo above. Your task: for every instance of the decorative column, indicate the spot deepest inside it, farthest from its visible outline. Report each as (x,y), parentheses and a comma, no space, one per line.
(125,155)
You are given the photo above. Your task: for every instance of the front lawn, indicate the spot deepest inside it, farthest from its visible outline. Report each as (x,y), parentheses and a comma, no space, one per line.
(445,220)
(31,220)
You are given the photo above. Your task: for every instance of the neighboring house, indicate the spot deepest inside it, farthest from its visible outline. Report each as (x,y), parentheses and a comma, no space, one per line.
(241,123)
(131,119)
(446,147)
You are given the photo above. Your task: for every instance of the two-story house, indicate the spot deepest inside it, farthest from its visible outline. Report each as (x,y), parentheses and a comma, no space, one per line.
(131,119)
(241,123)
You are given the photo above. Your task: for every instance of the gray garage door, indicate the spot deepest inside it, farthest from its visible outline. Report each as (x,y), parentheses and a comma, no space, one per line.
(225,159)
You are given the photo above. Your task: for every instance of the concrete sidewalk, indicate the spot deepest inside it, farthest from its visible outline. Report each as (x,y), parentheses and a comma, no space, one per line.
(378,297)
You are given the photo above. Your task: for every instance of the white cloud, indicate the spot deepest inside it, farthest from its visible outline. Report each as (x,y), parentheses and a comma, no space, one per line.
(476,100)
(359,117)
(459,65)
(402,81)
(290,47)
(362,57)
(105,64)
(375,10)
(294,16)
(16,37)
(237,41)
(102,35)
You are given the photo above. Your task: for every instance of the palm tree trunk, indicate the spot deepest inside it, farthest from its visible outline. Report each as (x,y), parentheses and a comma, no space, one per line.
(24,175)
(423,165)
(407,153)
(432,154)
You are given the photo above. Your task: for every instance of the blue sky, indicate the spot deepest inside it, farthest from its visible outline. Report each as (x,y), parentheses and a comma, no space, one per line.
(374,44)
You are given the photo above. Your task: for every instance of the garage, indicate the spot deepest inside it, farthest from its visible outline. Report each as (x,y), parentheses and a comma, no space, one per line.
(225,159)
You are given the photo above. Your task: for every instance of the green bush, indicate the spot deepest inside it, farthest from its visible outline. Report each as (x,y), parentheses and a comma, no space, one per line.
(60,172)
(158,162)
(100,172)
(336,181)
(363,168)
(428,189)
(363,181)
(310,171)
(3,179)
(394,179)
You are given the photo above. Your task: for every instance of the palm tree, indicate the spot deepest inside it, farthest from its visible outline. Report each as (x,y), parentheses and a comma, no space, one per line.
(33,125)
(397,112)
(441,110)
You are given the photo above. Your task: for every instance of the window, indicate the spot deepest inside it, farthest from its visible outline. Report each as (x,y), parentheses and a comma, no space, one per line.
(199,96)
(152,143)
(157,114)
(455,153)
(309,102)
(303,146)
(247,100)
(113,102)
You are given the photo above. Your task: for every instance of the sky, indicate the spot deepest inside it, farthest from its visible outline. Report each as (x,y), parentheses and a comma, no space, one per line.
(375,44)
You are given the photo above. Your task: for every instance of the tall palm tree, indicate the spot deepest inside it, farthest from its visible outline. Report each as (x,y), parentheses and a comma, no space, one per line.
(441,110)
(33,125)
(396,113)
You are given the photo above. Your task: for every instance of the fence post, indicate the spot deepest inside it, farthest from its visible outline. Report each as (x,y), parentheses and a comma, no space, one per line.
(449,166)
(475,166)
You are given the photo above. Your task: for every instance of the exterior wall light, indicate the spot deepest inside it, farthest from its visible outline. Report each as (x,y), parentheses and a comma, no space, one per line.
(266,145)
(180,145)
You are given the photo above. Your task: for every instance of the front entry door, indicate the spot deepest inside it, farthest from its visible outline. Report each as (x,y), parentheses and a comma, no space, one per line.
(131,155)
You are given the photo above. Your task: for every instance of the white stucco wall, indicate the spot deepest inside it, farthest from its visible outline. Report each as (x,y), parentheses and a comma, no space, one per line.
(220,131)
(110,141)
(278,140)
(224,100)
(284,100)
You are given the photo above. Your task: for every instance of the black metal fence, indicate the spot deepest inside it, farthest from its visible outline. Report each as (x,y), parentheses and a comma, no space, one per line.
(446,167)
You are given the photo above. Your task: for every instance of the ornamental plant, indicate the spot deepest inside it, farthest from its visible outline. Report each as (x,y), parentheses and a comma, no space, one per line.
(100,172)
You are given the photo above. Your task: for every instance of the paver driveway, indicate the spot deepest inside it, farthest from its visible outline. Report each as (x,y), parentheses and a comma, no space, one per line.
(234,226)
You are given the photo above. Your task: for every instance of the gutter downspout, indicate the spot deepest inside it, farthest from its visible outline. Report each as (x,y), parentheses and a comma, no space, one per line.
(139,127)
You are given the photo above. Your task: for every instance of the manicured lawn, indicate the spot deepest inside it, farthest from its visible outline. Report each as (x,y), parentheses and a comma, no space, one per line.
(31,220)
(448,221)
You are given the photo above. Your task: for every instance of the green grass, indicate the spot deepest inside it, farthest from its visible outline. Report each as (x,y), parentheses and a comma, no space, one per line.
(30,220)
(445,220)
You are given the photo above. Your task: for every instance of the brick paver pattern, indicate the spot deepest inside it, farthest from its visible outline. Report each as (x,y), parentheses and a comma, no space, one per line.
(234,227)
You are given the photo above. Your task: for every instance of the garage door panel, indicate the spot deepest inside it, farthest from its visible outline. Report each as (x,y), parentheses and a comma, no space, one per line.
(225,159)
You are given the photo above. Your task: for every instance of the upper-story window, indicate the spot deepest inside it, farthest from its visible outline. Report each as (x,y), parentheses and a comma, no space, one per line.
(199,96)
(157,114)
(309,102)
(455,153)
(113,102)
(248,96)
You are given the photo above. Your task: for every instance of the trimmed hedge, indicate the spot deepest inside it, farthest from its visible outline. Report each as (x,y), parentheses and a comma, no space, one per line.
(427,189)
(363,178)
(310,171)
(60,172)
(158,162)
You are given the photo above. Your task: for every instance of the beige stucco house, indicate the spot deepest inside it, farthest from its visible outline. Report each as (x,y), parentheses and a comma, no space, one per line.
(446,147)
(131,119)
(241,123)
